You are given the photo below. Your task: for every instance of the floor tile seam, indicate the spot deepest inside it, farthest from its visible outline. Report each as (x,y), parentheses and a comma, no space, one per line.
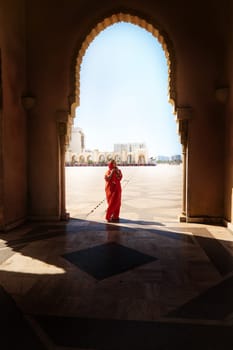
(229,319)
(224,246)
(40,333)
(228,249)
(209,235)
(5,248)
(36,238)
(152,231)
(211,257)
(159,320)
(50,235)
(191,321)
(224,319)
(210,232)
(225,277)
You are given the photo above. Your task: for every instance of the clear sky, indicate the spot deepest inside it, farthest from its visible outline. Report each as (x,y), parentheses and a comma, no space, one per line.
(124,92)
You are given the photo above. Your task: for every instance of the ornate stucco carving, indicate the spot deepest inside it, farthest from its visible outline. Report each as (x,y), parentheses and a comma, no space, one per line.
(184,114)
(221,94)
(64,123)
(28,102)
(160,35)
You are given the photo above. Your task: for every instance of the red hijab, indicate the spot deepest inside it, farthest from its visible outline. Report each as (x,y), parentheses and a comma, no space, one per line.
(111,164)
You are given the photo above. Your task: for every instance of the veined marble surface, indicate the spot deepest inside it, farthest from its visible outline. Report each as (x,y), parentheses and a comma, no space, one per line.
(190,281)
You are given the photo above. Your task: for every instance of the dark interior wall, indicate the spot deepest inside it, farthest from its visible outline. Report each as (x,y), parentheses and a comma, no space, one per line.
(14,153)
(229,134)
(201,54)
(201,39)
(50,36)
(1,151)
(206,137)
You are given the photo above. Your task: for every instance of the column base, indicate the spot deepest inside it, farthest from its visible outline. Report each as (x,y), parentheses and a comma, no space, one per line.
(182,218)
(65,216)
(228,224)
(214,220)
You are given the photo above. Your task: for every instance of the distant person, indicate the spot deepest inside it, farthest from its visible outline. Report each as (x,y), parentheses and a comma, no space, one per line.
(113,178)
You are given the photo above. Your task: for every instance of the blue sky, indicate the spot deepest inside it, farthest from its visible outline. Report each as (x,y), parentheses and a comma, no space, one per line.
(124,92)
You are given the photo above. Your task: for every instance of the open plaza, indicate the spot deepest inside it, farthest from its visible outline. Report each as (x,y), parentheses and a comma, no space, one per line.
(148,193)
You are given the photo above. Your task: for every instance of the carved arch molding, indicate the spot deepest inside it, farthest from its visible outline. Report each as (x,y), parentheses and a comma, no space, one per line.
(160,35)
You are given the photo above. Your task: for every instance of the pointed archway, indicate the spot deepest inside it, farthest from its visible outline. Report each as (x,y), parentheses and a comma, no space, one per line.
(182,114)
(160,35)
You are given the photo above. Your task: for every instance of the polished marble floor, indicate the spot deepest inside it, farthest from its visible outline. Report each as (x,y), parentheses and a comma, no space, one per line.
(142,283)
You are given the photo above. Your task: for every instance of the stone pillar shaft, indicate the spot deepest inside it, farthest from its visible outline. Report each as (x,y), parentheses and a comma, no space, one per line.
(183,116)
(62,140)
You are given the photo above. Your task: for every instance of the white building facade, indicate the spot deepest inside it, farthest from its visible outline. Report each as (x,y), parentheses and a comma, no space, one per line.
(76,146)
(123,153)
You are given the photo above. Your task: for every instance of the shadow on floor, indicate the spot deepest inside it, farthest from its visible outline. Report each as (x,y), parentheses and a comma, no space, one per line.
(175,333)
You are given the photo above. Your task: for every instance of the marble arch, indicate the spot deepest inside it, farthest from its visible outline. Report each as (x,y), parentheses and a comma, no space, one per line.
(183,114)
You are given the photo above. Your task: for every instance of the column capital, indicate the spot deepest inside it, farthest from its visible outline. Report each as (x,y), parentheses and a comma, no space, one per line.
(221,94)
(64,121)
(62,128)
(62,116)
(184,113)
(28,102)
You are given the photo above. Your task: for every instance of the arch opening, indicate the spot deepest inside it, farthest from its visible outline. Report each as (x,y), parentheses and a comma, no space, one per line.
(160,35)
(121,17)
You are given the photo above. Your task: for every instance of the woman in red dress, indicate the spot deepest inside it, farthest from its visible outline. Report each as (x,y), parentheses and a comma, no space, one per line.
(113,178)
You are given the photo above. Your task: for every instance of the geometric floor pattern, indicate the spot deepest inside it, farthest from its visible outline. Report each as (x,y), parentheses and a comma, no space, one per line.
(214,304)
(91,285)
(108,259)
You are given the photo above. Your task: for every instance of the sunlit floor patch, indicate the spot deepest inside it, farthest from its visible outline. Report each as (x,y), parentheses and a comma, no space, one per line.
(26,264)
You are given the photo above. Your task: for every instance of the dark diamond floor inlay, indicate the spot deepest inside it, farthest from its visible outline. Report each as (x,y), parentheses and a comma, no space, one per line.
(108,259)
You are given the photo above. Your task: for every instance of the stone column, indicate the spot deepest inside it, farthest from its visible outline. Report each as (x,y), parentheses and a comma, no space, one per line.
(184,115)
(62,118)
(1,155)
(184,195)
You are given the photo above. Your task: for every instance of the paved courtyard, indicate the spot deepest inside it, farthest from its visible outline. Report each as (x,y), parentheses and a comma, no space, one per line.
(148,193)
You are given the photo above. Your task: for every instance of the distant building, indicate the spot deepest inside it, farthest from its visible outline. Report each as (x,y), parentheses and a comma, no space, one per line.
(176,159)
(162,159)
(132,153)
(77,142)
(123,153)
(76,146)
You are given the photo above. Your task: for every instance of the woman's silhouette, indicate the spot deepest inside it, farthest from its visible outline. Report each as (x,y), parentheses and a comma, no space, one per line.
(113,178)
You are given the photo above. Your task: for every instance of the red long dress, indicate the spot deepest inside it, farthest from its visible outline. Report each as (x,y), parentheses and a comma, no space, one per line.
(113,193)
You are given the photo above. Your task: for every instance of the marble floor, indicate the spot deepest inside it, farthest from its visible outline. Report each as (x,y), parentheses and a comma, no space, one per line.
(143,283)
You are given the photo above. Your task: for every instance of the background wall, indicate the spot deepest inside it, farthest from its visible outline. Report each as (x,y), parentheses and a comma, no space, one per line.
(229,134)
(40,40)
(14,120)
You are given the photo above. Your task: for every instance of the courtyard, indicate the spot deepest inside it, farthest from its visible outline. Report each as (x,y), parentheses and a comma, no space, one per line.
(149,193)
